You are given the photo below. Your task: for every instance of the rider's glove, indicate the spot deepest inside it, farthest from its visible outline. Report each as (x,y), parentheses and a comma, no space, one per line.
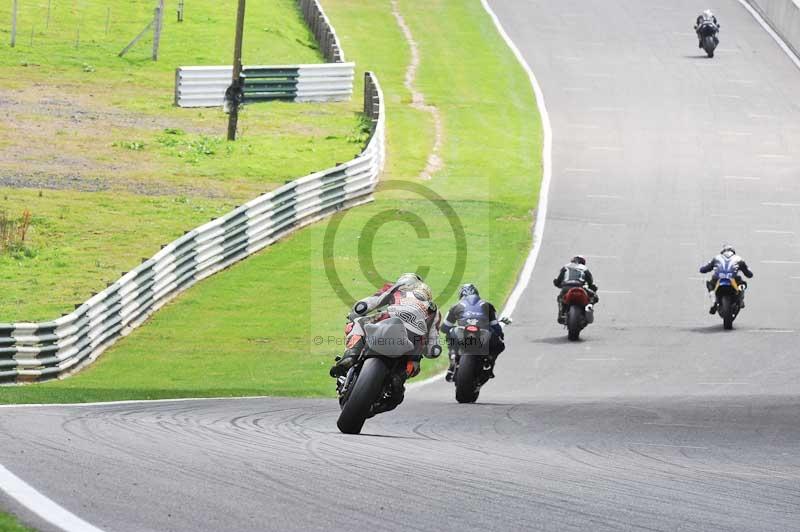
(555,283)
(433,351)
(412,368)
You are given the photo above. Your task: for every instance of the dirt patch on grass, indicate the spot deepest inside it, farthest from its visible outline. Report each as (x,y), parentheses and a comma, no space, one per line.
(65,139)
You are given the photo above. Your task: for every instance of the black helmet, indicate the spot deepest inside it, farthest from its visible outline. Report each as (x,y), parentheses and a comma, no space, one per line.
(468,289)
(579,259)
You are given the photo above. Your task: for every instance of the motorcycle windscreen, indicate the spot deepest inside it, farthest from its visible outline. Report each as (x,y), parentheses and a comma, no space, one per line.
(389,338)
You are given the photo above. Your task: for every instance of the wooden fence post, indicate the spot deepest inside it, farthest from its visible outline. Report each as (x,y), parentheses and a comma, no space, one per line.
(157,23)
(14,24)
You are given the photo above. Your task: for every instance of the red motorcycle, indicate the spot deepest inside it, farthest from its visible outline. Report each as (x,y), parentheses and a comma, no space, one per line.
(578,311)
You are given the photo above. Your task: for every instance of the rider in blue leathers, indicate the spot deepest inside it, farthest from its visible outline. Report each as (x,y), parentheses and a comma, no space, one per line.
(726,261)
(471,306)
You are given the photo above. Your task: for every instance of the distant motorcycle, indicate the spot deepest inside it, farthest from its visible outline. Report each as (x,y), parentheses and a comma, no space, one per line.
(728,291)
(370,387)
(707,33)
(578,311)
(474,365)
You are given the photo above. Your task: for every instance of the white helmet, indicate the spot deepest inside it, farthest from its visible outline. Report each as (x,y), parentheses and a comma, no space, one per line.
(408,279)
(708,14)
(727,251)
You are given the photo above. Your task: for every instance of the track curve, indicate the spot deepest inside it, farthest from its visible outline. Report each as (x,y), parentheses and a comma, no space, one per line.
(657,420)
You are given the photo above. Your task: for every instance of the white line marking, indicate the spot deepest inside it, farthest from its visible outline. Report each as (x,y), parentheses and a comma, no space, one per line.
(775,37)
(780,262)
(603,196)
(602,256)
(547,169)
(779,204)
(136,402)
(773,232)
(597,359)
(606,292)
(686,425)
(40,505)
(742,177)
(731,96)
(696,278)
(600,224)
(723,384)
(772,331)
(774,156)
(742,81)
(667,445)
(581,170)
(605,148)
(736,133)
(794,277)
(429,380)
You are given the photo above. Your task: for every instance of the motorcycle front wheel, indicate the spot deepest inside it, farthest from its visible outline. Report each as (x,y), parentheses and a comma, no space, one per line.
(709,45)
(365,393)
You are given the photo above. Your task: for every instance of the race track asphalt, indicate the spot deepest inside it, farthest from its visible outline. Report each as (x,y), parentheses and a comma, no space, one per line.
(657,420)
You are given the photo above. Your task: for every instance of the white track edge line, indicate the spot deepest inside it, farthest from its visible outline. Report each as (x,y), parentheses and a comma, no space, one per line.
(145,401)
(547,170)
(40,505)
(772,33)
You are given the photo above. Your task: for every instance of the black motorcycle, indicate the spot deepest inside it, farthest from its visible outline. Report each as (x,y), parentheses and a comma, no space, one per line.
(707,33)
(473,361)
(375,382)
(728,292)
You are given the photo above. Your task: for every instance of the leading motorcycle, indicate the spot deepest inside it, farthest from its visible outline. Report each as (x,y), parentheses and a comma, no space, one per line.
(578,311)
(707,32)
(728,291)
(374,384)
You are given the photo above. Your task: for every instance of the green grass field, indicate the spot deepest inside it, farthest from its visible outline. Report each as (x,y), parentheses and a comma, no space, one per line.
(9,524)
(271,324)
(97,143)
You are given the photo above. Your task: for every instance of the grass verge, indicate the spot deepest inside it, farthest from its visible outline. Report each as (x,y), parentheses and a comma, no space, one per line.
(271,324)
(106,164)
(8,523)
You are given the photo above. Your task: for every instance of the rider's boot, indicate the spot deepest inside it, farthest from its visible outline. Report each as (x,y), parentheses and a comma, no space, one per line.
(713,309)
(560,318)
(451,371)
(348,358)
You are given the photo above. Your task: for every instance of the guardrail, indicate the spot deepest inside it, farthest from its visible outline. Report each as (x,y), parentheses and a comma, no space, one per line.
(784,18)
(327,82)
(36,351)
(323,30)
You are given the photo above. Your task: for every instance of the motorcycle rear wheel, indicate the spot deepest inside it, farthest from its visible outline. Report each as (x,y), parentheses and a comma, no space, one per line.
(469,367)
(726,312)
(574,323)
(365,393)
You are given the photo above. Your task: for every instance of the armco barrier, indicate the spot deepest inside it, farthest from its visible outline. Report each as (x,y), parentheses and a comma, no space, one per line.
(205,86)
(323,30)
(784,18)
(34,351)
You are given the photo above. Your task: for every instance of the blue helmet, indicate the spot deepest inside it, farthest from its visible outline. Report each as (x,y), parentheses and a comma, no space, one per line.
(468,289)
